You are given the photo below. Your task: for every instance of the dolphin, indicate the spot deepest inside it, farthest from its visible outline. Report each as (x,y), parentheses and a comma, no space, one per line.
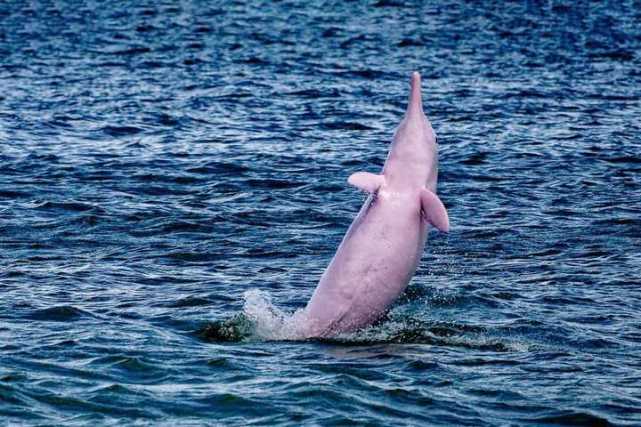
(383,246)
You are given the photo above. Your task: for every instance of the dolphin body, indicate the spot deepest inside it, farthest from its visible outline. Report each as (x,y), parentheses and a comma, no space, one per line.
(382,248)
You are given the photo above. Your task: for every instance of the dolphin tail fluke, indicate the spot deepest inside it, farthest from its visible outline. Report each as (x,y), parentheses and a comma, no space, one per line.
(366,181)
(415,103)
(433,211)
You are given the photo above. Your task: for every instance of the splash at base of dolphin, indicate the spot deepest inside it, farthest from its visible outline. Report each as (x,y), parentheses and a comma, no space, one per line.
(382,248)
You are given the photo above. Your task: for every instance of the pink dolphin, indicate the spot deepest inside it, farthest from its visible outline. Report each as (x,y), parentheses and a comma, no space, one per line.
(382,248)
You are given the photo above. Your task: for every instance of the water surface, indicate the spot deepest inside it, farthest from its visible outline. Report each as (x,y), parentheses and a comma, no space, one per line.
(173,183)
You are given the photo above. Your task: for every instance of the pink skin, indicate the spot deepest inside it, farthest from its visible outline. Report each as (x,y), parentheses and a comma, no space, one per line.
(382,248)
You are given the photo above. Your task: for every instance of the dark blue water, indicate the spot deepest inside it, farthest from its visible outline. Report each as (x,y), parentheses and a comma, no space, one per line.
(172,185)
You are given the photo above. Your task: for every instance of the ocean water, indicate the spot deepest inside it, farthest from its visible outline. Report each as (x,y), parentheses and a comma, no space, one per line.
(173,183)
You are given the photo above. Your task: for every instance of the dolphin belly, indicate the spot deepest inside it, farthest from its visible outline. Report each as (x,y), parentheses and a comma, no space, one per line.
(372,266)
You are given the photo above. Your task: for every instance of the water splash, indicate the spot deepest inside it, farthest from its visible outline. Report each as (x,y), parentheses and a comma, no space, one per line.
(261,320)
(270,322)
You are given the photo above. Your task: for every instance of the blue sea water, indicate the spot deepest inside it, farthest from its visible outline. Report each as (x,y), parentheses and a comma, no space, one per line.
(173,183)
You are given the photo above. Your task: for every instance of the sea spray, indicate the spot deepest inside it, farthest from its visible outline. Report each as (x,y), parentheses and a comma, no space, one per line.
(261,320)
(270,322)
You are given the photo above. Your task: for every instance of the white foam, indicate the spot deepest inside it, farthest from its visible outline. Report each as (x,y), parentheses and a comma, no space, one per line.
(270,322)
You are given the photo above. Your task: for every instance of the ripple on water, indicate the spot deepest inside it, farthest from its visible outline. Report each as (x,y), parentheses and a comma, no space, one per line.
(62,313)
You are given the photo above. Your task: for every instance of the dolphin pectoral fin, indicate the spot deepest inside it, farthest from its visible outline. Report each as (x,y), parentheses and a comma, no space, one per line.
(433,210)
(366,181)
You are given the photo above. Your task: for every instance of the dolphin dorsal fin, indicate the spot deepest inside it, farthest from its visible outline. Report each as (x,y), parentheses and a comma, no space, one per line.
(434,212)
(366,181)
